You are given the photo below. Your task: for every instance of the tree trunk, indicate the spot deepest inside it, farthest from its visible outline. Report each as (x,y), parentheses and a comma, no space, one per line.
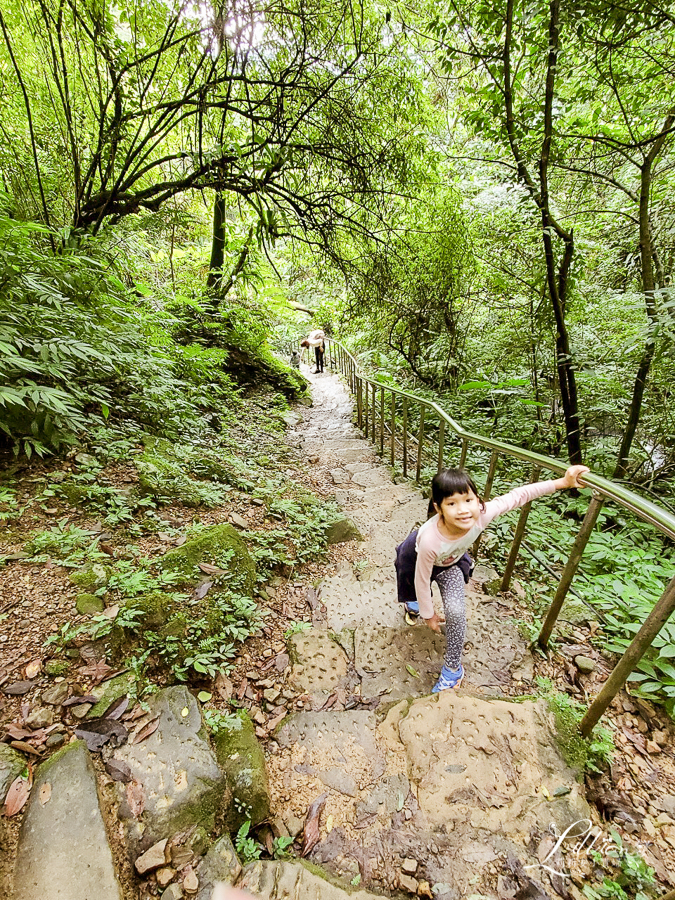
(217,243)
(648,257)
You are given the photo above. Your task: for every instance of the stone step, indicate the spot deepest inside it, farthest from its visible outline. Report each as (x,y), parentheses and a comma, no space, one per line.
(449,781)
(63,851)
(280,880)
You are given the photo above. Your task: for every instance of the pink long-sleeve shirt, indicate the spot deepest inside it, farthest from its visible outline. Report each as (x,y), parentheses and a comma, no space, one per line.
(435,550)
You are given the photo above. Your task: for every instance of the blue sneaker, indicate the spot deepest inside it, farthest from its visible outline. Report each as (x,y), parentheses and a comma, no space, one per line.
(448,679)
(412,611)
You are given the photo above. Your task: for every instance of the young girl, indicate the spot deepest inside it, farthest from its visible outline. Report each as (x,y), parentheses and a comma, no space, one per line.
(438,553)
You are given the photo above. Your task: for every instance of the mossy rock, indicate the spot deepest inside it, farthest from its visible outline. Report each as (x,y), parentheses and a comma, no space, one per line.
(12,764)
(91,577)
(575,612)
(89,604)
(110,691)
(218,545)
(56,667)
(342,530)
(240,755)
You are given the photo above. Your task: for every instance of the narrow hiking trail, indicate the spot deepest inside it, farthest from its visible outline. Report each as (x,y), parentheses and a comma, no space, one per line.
(420,791)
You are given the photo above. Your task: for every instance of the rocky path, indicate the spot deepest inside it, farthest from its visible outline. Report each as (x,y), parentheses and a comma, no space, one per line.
(422,793)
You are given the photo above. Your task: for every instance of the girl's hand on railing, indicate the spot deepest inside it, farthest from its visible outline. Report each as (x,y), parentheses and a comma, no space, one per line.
(434,622)
(571,477)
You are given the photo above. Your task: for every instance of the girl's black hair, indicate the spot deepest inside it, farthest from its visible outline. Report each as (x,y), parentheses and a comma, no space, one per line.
(448,482)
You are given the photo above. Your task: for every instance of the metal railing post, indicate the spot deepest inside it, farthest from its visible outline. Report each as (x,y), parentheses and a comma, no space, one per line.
(405,437)
(373,435)
(518,537)
(571,567)
(462,455)
(366,406)
(381,421)
(654,622)
(359,409)
(441,445)
(420,441)
(393,428)
(487,490)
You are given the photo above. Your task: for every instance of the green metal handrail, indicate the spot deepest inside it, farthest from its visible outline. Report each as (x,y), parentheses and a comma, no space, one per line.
(365,389)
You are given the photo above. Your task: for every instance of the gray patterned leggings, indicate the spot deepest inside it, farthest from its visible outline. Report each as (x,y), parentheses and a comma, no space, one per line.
(451,583)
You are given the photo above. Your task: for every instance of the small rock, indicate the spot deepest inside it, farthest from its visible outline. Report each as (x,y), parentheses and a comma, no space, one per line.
(173,892)
(258,716)
(55,740)
(585,664)
(18,688)
(265,683)
(661,738)
(294,824)
(260,732)
(663,819)
(484,573)
(267,653)
(339,476)
(240,522)
(341,531)
(165,875)
(190,882)
(81,710)
(649,826)
(56,667)
(409,866)
(272,695)
(424,890)
(40,717)
(55,694)
(152,858)
(407,883)
(252,675)
(653,747)
(256,501)
(667,803)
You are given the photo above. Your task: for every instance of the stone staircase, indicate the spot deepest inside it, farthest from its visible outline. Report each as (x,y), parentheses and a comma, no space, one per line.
(426,795)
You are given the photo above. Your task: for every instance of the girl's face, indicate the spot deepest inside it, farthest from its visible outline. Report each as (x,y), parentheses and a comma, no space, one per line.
(459,512)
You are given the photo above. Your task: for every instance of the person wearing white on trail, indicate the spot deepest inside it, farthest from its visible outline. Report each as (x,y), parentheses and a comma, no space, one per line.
(460,516)
(317,339)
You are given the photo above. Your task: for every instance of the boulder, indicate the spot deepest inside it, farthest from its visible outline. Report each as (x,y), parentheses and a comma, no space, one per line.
(218,545)
(240,755)
(12,765)
(176,769)
(342,530)
(220,864)
(63,848)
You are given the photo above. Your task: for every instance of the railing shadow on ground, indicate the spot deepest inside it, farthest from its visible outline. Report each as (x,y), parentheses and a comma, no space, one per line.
(383,414)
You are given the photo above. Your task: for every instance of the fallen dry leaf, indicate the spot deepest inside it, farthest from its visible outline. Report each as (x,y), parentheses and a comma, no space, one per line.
(17,732)
(18,688)
(203,590)
(311,834)
(135,797)
(45,793)
(208,569)
(96,672)
(16,796)
(147,730)
(118,770)
(34,668)
(117,708)
(24,747)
